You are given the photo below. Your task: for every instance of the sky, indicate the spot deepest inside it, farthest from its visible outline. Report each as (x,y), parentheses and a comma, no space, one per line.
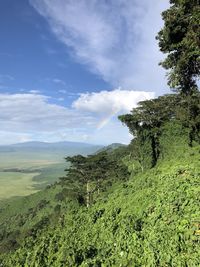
(68,68)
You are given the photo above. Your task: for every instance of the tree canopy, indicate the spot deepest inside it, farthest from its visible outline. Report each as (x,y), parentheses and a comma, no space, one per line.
(180,40)
(146,122)
(88,176)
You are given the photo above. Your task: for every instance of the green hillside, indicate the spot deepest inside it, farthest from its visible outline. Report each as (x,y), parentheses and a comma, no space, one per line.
(133,206)
(151,219)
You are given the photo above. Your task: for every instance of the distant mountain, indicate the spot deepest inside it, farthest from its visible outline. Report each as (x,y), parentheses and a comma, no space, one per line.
(65,147)
(56,144)
(110,147)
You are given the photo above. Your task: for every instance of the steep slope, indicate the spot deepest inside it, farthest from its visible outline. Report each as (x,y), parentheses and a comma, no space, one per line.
(151,220)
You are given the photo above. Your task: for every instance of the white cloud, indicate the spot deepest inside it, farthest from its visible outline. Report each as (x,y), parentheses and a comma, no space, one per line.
(7,137)
(33,112)
(106,104)
(92,117)
(115,39)
(61,82)
(34,91)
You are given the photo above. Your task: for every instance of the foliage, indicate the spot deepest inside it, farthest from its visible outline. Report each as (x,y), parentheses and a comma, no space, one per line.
(188,112)
(150,220)
(145,122)
(101,215)
(89,175)
(180,39)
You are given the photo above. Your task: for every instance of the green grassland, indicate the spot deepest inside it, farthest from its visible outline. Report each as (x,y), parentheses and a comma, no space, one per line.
(49,174)
(34,171)
(22,184)
(16,184)
(29,167)
(28,160)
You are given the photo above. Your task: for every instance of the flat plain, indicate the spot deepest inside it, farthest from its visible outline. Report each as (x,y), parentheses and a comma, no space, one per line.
(26,169)
(16,184)
(22,174)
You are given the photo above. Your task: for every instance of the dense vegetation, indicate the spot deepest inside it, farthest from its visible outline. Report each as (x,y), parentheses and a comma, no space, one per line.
(150,220)
(135,205)
(180,40)
(25,218)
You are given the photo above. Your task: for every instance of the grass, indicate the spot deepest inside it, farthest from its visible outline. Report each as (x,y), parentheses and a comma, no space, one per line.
(28,160)
(49,174)
(147,221)
(23,184)
(150,220)
(49,167)
(16,184)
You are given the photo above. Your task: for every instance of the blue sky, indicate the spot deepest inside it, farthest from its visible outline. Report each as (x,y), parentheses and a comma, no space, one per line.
(69,68)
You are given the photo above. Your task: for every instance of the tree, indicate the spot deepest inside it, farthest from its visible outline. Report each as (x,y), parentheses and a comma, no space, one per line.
(87,173)
(86,176)
(100,165)
(80,171)
(145,122)
(188,113)
(180,40)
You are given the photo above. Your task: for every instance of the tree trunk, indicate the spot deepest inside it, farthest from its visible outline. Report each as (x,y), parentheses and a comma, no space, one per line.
(142,167)
(98,182)
(87,194)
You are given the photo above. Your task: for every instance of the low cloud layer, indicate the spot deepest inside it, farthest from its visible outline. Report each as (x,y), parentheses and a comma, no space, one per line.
(91,118)
(33,112)
(114,39)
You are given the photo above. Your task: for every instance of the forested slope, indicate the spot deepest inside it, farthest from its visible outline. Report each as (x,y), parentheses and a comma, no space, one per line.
(148,216)
(132,206)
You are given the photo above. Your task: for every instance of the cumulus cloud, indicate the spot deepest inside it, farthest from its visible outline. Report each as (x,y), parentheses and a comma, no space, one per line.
(106,104)
(92,117)
(115,39)
(33,112)
(110,101)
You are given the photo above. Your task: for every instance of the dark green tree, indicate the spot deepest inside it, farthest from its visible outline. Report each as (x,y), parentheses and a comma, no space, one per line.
(180,40)
(188,113)
(80,173)
(101,165)
(86,174)
(145,121)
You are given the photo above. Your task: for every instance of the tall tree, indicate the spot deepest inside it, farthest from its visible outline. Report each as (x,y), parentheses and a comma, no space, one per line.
(180,40)
(89,173)
(81,170)
(144,123)
(101,165)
